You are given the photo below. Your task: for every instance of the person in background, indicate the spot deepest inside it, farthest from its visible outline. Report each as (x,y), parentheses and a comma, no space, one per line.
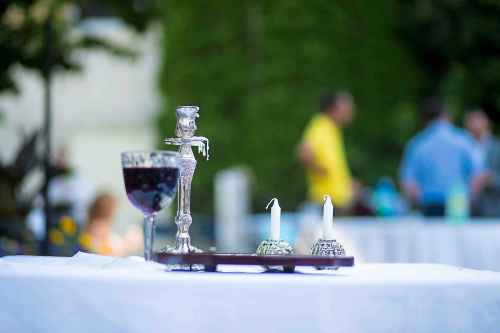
(487,154)
(477,125)
(323,155)
(386,201)
(98,236)
(437,161)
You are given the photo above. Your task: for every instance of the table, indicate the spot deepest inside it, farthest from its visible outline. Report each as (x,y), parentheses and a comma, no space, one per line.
(402,239)
(89,293)
(471,245)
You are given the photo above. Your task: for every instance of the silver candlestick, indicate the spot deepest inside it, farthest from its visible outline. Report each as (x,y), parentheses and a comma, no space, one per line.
(184,130)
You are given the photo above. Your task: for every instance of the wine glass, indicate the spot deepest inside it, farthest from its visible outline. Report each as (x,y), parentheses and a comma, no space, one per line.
(151,182)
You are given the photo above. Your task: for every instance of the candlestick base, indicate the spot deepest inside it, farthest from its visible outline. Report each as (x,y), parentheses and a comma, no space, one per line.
(274,247)
(178,267)
(327,248)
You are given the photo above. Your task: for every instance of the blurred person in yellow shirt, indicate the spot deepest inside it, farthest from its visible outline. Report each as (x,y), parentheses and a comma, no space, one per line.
(323,155)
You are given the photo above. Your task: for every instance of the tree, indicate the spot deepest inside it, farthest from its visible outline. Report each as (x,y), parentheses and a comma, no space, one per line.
(14,208)
(38,35)
(457,46)
(23,28)
(257,69)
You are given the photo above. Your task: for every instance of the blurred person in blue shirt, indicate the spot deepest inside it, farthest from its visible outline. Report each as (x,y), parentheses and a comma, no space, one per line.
(478,127)
(487,154)
(437,161)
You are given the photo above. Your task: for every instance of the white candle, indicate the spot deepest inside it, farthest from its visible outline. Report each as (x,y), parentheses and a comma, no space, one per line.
(328,218)
(275,219)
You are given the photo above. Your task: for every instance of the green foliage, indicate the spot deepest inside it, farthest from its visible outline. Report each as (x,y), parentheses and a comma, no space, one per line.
(40,35)
(14,207)
(24,26)
(257,68)
(457,45)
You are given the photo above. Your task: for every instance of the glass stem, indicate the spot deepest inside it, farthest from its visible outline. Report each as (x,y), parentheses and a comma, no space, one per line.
(149,234)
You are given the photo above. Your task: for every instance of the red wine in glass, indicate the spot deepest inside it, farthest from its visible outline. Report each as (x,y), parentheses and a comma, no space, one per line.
(151,189)
(151,183)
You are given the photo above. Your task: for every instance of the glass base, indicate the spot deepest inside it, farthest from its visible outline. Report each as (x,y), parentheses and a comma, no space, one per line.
(176,267)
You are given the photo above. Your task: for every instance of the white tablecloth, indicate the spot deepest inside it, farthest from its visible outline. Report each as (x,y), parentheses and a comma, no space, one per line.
(97,294)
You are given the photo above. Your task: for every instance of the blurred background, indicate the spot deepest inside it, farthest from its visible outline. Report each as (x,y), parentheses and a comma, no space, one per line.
(82,81)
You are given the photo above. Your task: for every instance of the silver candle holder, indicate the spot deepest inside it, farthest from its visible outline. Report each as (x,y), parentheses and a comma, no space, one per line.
(184,130)
(274,245)
(327,246)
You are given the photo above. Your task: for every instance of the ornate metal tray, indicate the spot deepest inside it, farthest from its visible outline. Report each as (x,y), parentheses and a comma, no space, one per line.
(210,260)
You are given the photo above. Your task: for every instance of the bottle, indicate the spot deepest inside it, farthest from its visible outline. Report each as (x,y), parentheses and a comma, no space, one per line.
(385,198)
(457,205)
